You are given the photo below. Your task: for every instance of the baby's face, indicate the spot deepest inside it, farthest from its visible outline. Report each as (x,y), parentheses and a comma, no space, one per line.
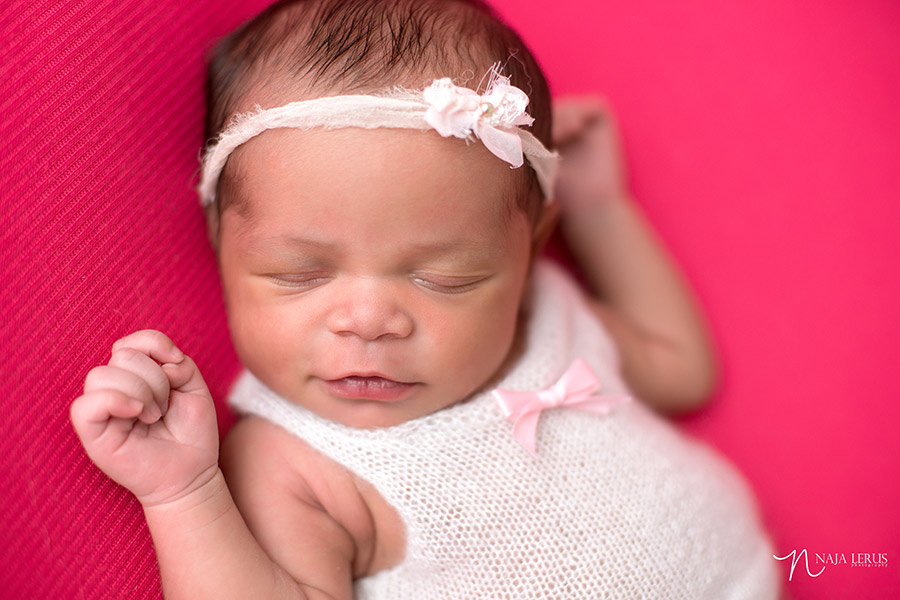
(379,273)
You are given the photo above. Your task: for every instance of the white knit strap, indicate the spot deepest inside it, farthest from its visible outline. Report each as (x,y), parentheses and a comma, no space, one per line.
(398,110)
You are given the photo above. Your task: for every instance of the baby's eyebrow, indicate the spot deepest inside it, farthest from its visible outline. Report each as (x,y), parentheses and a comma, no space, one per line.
(255,243)
(428,246)
(467,250)
(459,249)
(442,246)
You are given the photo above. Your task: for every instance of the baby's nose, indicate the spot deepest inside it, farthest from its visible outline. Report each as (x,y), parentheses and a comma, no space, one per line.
(370,309)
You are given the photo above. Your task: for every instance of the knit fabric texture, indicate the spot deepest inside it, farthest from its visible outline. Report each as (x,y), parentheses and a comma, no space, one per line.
(619,506)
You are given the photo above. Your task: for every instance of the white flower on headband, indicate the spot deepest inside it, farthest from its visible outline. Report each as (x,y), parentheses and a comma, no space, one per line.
(492,117)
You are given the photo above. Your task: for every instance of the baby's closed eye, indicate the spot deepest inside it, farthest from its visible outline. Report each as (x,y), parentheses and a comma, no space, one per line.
(446,284)
(300,281)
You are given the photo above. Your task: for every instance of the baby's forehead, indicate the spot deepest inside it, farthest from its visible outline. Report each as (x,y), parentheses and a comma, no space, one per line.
(287,181)
(396,159)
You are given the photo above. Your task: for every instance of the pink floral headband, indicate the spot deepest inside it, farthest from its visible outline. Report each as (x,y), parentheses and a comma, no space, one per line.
(495,118)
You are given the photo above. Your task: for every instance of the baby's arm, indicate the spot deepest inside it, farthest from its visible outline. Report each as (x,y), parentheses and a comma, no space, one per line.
(309,513)
(148,421)
(667,357)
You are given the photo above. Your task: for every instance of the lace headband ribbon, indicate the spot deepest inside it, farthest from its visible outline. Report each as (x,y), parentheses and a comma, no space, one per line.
(495,118)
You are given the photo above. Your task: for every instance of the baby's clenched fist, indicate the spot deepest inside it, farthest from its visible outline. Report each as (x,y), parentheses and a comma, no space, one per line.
(147,419)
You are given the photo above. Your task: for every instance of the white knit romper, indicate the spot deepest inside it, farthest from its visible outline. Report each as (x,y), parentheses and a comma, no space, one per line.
(618,506)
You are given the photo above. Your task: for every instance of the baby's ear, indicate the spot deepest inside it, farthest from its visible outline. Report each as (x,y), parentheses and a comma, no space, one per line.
(212,225)
(543,227)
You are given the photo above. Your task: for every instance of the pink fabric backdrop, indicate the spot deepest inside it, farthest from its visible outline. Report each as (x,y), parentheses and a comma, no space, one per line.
(762,140)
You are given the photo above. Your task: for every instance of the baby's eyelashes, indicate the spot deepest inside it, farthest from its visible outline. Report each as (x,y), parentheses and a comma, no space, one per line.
(447,284)
(443,284)
(300,281)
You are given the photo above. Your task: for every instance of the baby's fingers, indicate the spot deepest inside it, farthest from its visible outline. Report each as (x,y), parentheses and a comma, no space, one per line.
(128,384)
(154,344)
(92,413)
(147,370)
(572,115)
(141,353)
(185,377)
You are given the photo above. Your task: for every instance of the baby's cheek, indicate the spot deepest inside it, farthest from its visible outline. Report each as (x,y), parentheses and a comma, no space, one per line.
(260,334)
(246,331)
(484,343)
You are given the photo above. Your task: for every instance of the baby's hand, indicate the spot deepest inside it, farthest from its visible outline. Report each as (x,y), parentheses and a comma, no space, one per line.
(151,427)
(592,170)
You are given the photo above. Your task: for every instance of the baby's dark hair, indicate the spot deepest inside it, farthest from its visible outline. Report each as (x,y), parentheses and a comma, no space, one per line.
(297,49)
